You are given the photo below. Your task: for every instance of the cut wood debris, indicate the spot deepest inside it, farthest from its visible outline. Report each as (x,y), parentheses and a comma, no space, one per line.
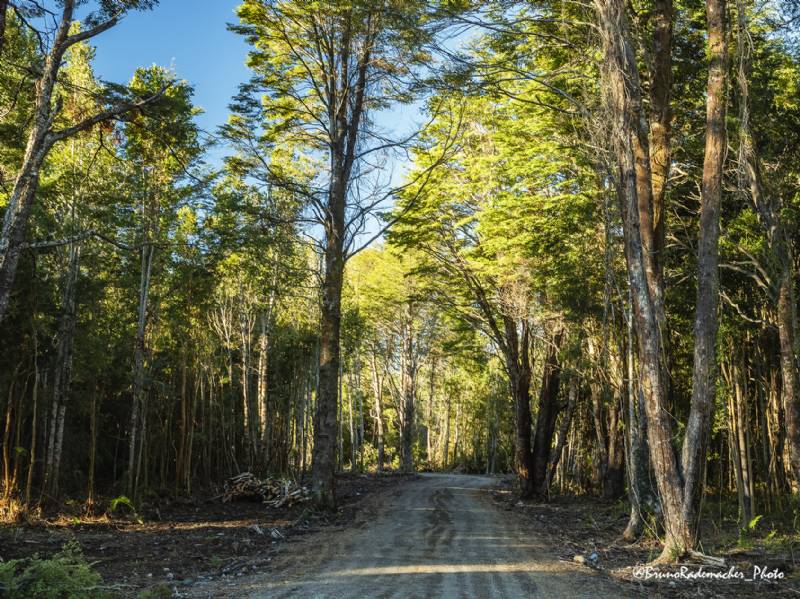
(274,492)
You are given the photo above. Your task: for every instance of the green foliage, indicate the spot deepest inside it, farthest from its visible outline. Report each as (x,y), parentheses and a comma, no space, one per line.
(161,591)
(117,502)
(751,526)
(66,575)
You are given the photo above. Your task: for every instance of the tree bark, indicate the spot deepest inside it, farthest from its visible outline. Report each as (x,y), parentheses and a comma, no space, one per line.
(377,388)
(547,414)
(263,391)
(408,392)
(660,125)
(518,368)
(563,430)
(63,373)
(623,91)
(704,378)
(138,387)
(41,138)
(768,209)
(324,453)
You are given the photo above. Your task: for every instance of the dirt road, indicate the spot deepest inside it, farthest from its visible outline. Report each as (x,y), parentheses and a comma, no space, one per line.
(439,536)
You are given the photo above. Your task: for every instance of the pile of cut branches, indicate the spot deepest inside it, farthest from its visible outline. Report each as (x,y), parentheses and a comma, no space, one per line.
(274,492)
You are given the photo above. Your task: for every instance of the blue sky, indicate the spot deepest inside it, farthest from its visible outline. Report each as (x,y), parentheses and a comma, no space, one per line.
(191,37)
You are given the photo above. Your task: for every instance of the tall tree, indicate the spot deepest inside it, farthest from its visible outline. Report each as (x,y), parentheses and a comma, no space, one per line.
(43,133)
(323,71)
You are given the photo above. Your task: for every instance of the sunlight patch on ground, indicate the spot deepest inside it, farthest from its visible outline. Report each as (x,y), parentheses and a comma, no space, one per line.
(436,569)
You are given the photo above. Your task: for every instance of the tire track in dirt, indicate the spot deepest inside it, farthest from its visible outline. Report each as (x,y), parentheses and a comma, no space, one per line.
(438,536)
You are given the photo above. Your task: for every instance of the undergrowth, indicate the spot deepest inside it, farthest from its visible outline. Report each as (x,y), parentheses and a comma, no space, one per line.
(66,575)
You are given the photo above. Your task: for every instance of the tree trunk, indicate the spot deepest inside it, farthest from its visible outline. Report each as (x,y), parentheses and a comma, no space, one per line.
(614,481)
(600,462)
(15,220)
(377,388)
(409,392)
(34,422)
(429,415)
(7,490)
(547,414)
(92,452)
(660,124)
(62,373)
(351,389)
(519,372)
(324,453)
(138,368)
(263,391)
(623,91)
(446,447)
(704,379)
(563,430)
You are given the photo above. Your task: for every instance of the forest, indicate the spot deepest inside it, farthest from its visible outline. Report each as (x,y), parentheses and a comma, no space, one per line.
(546,241)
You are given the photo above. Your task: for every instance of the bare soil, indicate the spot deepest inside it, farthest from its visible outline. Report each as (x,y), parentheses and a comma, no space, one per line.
(179,544)
(576,527)
(441,535)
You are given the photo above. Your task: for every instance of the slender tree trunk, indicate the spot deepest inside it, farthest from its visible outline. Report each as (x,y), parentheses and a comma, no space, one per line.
(63,372)
(7,490)
(409,392)
(446,446)
(137,403)
(518,368)
(704,379)
(183,432)
(340,421)
(360,396)
(263,389)
(351,424)
(92,452)
(660,125)
(600,462)
(563,431)
(547,414)
(429,415)
(34,422)
(377,388)
(614,482)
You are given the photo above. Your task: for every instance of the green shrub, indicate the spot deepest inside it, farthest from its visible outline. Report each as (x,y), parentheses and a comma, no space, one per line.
(65,576)
(161,591)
